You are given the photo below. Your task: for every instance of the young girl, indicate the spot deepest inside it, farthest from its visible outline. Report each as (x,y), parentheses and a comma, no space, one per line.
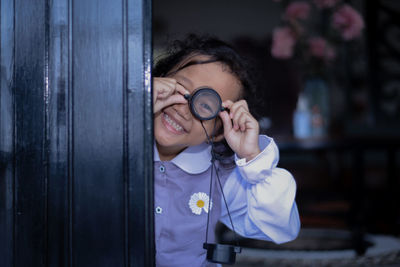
(260,196)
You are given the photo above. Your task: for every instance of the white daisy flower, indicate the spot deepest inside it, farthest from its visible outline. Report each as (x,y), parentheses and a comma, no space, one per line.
(198,202)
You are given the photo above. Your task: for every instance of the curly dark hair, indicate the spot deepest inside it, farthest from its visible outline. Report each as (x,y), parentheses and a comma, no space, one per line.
(217,51)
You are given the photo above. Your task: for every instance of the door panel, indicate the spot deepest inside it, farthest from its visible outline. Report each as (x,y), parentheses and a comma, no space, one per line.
(76,139)
(6,132)
(98,133)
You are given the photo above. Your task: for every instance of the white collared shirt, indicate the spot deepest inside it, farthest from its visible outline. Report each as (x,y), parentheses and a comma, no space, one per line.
(260,196)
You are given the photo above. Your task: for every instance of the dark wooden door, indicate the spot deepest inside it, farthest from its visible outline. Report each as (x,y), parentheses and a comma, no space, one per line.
(76,138)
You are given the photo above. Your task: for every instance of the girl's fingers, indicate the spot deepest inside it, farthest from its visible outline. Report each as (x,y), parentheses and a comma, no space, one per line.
(165,87)
(174,99)
(226,121)
(236,106)
(166,92)
(237,114)
(161,90)
(227,104)
(171,83)
(180,89)
(241,121)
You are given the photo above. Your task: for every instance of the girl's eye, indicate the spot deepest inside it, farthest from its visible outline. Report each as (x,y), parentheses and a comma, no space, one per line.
(206,106)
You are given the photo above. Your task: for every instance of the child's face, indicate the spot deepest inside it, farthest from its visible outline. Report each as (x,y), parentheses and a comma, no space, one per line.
(175,128)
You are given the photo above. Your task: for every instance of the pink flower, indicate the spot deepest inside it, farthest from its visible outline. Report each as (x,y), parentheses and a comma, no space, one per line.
(283,41)
(348,21)
(319,48)
(297,10)
(325,3)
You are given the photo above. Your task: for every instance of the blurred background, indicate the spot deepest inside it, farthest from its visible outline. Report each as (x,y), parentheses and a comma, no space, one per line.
(328,91)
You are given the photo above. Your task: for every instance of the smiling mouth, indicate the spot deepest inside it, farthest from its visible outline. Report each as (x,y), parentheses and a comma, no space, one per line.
(173,124)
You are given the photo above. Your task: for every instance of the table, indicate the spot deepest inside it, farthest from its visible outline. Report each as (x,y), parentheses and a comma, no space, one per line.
(357,146)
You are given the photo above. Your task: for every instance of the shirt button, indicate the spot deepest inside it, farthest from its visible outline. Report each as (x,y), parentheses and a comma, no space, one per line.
(158,210)
(162,168)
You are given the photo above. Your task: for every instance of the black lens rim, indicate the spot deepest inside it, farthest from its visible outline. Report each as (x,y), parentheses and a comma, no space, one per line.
(193,96)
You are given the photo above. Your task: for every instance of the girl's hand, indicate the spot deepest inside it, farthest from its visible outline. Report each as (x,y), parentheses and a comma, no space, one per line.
(166,91)
(241,129)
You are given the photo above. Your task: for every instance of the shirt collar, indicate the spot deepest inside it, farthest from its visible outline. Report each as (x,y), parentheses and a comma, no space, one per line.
(193,160)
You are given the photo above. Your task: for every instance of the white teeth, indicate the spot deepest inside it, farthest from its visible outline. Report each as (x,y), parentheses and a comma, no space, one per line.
(173,123)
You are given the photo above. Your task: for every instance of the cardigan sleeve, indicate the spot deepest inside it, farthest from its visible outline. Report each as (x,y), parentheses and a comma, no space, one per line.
(261,197)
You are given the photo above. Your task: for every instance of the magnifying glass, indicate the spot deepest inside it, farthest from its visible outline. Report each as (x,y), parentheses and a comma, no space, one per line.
(205,103)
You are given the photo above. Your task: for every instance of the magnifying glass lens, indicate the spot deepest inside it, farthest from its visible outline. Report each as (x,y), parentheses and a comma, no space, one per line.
(206,104)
